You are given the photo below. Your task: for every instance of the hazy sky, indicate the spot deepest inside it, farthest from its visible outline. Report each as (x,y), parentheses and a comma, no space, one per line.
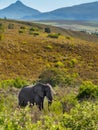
(45,5)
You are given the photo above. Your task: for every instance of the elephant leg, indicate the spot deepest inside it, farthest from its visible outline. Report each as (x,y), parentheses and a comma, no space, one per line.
(39,102)
(22,103)
(42,104)
(31,103)
(40,107)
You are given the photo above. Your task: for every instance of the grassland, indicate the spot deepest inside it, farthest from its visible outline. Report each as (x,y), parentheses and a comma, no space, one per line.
(66,59)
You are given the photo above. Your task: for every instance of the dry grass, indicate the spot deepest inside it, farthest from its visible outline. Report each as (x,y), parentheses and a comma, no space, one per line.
(24,55)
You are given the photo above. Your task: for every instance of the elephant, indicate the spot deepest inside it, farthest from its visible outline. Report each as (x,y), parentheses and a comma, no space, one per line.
(35,95)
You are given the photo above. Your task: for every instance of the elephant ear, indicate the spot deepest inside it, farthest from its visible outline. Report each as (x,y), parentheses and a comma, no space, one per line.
(38,89)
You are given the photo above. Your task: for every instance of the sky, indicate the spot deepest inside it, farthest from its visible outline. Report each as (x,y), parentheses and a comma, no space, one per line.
(45,5)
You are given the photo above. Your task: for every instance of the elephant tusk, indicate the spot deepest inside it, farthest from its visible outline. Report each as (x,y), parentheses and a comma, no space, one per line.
(54,93)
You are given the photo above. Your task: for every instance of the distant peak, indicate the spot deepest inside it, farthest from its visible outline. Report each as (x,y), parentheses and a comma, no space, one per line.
(18,2)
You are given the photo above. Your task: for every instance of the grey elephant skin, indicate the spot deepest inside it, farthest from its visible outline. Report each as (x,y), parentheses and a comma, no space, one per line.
(35,94)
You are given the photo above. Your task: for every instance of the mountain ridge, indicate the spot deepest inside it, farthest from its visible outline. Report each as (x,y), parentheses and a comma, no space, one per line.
(87,11)
(18,10)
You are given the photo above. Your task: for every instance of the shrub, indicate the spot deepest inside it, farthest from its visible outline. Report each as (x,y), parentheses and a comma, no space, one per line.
(73,62)
(6,83)
(22,27)
(59,64)
(53,76)
(69,80)
(18,83)
(32,29)
(56,107)
(17,120)
(82,117)
(35,34)
(1,28)
(21,31)
(53,35)
(68,37)
(88,90)
(58,77)
(68,102)
(11,26)
(49,47)
(47,30)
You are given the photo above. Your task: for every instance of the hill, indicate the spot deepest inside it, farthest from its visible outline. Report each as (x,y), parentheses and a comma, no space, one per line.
(86,11)
(26,51)
(17,10)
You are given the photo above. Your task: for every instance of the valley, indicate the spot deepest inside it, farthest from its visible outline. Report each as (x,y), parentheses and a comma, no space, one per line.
(83,26)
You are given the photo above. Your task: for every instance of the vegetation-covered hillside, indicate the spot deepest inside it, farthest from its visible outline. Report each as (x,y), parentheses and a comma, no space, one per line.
(68,60)
(26,51)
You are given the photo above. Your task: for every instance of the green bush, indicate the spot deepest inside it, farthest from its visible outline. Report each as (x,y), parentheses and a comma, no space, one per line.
(11,26)
(21,31)
(59,64)
(17,120)
(32,29)
(49,47)
(1,28)
(73,62)
(35,34)
(68,37)
(68,102)
(17,83)
(6,83)
(47,30)
(88,90)
(69,80)
(54,76)
(53,35)
(58,77)
(76,116)
(56,107)
(83,117)
(22,27)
